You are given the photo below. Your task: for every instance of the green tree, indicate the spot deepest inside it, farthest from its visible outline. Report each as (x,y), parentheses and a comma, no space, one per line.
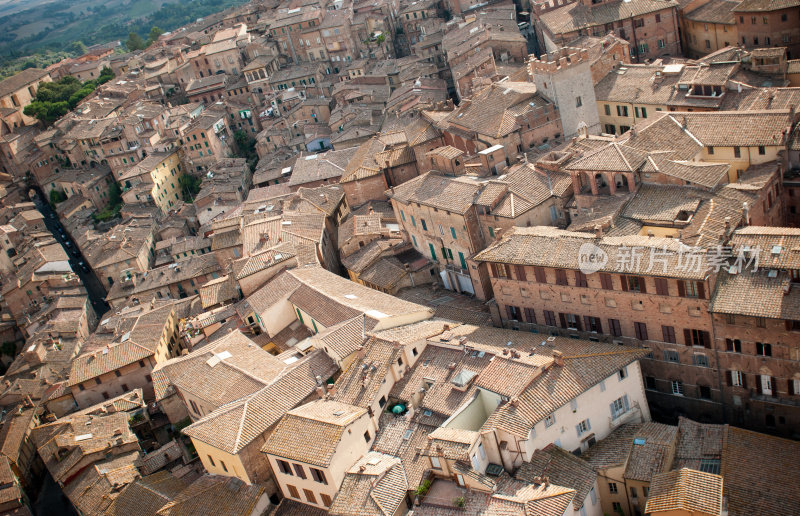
(57,196)
(114,195)
(190,186)
(155,32)
(246,146)
(135,42)
(76,47)
(106,74)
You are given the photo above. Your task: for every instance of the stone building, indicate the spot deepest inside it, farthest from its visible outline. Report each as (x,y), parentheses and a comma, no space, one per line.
(565,77)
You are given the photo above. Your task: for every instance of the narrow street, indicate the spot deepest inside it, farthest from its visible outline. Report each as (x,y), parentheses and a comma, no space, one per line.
(78,263)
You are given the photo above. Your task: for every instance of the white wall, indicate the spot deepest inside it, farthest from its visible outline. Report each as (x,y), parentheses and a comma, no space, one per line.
(594,405)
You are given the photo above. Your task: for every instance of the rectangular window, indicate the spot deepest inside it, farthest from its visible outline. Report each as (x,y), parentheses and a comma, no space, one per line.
(561,277)
(367,437)
(677,387)
(326,500)
(580,279)
(433,252)
(662,287)
(737,379)
(606,282)
(293,491)
(670,355)
(549,420)
(530,315)
(697,338)
(737,152)
(549,318)
(634,284)
(284,467)
(710,466)
(640,330)
(612,488)
(619,407)
(224,467)
(766,385)
(300,471)
(318,475)
(614,327)
(700,360)
(733,345)
(424,226)
(538,272)
(607,109)
(453,233)
(435,462)
(211,460)
(668,334)
(583,427)
(519,272)
(413,221)
(310,496)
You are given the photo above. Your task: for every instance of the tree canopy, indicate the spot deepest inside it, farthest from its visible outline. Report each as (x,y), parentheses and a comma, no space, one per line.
(55,99)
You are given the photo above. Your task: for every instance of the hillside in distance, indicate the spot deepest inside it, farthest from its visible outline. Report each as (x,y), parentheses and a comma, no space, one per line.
(29,27)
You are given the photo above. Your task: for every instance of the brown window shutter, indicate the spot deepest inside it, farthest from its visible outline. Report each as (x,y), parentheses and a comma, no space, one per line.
(774,387)
(599,326)
(563,320)
(642,286)
(729,378)
(587,323)
(758,385)
(701,290)
(681,288)
(520,270)
(494,269)
(687,337)
(744,380)
(790,385)
(788,324)
(624,280)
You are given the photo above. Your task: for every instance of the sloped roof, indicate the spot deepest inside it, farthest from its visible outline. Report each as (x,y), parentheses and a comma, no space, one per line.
(685,490)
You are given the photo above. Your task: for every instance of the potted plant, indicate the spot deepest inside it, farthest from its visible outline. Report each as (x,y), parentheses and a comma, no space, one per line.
(422,490)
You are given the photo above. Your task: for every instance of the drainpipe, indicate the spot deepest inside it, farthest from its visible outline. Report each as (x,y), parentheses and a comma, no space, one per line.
(633,33)
(720,383)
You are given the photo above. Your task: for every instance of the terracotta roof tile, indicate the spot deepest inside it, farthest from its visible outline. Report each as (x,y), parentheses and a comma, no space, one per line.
(685,490)
(324,419)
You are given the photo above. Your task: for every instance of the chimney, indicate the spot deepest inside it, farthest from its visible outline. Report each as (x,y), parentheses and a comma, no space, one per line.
(745,214)
(558,357)
(685,122)
(598,231)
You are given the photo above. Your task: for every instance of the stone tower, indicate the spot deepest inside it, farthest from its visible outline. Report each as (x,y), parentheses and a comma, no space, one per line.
(565,77)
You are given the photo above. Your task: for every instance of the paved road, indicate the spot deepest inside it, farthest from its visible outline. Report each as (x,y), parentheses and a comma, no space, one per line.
(78,263)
